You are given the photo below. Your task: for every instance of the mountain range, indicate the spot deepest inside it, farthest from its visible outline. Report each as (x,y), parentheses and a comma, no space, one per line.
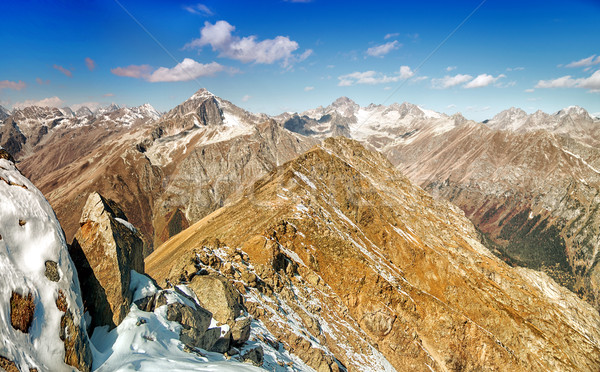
(386,237)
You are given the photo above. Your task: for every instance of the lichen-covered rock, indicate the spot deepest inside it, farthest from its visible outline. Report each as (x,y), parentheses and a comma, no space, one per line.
(105,249)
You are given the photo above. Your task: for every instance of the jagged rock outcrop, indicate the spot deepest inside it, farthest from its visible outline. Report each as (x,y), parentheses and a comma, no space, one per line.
(349,264)
(41,309)
(105,249)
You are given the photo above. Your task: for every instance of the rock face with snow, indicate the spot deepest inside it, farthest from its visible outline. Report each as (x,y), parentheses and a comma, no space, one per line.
(349,264)
(40,301)
(383,127)
(4,113)
(572,121)
(42,126)
(105,249)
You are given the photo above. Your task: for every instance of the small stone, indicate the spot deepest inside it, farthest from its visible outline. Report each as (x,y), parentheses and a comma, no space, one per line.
(240,332)
(52,271)
(141,321)
(254,355)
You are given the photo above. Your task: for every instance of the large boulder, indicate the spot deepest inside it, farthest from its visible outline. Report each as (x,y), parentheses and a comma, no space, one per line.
(42,326)
(217,295)
(105,250)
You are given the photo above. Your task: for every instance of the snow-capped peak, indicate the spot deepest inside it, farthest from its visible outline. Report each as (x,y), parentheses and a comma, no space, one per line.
(146,110)
(202,93)
(573,111)
(343,106)
(107,109)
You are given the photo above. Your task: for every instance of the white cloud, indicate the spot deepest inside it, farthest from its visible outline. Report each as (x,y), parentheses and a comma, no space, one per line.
(451,106)
(247,49)
(133,71)
(592,82)
(108,95)
(246,98)
(478,109)
(450,68)
(381,50)
(483,80)
(63,70)
(416,79)
(199,9)
(515,69)
(91,65)
(589,61)
(46,102)
(308,89)
(7,84)
(187,70)
(450,81)
(391,35)
(91,105)
(530,90)
(372,77)
(561,82)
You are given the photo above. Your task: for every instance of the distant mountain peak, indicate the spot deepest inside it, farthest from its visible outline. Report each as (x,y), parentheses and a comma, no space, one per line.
(107,109)
(202,93)
(342,101)
(573,111)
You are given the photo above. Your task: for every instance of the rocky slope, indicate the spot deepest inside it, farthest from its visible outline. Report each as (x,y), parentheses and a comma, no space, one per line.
(534,198)
(349,264)
(41,311)
(528,182)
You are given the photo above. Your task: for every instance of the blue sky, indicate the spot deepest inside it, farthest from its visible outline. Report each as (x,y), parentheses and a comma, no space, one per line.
(275,56)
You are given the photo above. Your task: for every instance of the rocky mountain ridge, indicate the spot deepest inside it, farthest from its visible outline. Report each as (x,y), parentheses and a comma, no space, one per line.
(348,263)
(538,172)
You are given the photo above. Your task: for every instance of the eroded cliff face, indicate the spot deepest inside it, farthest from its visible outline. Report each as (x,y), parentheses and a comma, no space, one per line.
(369,270)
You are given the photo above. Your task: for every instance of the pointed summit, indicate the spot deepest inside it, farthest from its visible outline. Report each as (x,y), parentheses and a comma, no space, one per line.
(343,106)
(202,93)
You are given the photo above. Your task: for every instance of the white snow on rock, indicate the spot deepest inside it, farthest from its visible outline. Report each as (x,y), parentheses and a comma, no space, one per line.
(127,224)
(30,236)
(147,341)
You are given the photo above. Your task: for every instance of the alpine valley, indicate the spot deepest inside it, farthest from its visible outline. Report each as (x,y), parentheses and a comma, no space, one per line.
(374,238)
